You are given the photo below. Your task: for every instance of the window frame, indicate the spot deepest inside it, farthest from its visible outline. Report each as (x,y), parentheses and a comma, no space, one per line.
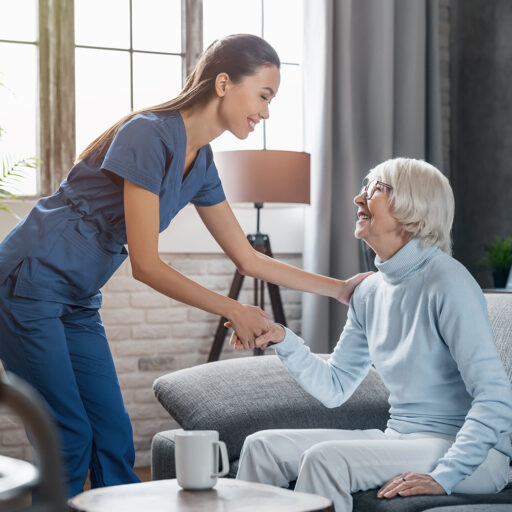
(56,123)
(36,44)
(282,64)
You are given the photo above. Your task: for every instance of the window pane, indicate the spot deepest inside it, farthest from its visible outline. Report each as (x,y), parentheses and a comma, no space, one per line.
(157,25)
(18,109)
(18,20)
(225,17)
(284,128)
(102,23)
(102,92)
(287,43)
(156,78)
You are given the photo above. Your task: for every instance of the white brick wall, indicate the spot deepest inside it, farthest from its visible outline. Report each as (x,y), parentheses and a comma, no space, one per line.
(151,335)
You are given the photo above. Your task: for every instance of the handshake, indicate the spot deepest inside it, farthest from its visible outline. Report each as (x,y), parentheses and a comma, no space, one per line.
(252,328)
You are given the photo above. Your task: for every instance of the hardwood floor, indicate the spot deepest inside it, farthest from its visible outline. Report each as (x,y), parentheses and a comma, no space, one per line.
(143,473)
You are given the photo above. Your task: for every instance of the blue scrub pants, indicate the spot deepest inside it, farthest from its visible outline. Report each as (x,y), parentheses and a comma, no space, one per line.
(63,352)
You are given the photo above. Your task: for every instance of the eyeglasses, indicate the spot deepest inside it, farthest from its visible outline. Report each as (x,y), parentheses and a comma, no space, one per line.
(370,188)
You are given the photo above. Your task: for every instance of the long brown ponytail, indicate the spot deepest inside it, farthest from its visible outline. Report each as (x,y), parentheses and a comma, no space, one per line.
(238,55)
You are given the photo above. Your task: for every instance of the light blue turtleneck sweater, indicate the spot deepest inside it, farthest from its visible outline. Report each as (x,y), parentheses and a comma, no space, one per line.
(422,321)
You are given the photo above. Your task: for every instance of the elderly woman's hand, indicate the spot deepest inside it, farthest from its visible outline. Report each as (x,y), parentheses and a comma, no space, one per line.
(274,335)
(346,288)
(409,484)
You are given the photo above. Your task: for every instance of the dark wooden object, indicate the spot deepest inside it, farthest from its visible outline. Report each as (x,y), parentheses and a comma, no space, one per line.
(261,243)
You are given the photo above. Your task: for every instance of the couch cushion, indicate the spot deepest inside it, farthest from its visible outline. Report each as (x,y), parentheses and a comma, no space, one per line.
(499,307)
(241,396)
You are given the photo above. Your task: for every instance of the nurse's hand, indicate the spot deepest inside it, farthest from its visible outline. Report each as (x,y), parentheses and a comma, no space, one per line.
(346,288)
(249,322)
(409,484)
(234,339)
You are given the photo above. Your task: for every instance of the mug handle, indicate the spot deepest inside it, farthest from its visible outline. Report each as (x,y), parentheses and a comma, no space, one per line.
(224,456)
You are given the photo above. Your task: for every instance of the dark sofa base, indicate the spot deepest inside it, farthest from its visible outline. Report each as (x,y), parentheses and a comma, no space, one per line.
(367,501)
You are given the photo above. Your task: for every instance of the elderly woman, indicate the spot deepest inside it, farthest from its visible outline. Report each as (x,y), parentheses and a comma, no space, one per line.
(421,320)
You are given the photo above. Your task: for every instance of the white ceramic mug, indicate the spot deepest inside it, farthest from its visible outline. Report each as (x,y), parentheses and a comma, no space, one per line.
(197,458)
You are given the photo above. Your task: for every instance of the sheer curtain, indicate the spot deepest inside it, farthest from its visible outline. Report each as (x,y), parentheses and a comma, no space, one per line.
(371,89)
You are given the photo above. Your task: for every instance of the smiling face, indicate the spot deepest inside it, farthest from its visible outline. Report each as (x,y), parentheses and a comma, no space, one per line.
(243,105)
(376,224)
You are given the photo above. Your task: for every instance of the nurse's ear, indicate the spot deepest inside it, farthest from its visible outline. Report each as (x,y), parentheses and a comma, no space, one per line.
(222,84)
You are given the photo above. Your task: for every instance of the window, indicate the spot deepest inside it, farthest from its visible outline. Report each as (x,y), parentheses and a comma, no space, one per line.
(126,58)
(265,18)
(18,97)
(128,54)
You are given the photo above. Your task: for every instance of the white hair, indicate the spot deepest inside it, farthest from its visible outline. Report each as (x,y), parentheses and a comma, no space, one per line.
(421,199)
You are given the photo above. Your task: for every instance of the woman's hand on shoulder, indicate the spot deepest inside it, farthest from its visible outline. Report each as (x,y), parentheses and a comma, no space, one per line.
(346,288)
(410,484)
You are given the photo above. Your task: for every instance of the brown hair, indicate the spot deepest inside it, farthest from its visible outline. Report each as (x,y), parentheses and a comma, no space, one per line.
(238,55)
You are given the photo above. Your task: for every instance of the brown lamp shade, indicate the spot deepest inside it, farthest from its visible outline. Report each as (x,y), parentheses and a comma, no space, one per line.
(264,176)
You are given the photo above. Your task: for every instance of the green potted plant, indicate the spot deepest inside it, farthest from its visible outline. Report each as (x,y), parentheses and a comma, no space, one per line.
(498,258)
(12,171)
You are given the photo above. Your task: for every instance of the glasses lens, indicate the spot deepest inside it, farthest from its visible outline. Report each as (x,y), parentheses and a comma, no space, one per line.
(364,187)
(371,189)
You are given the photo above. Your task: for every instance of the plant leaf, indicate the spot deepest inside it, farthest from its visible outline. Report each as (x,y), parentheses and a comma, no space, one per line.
(8,210)
(13,171)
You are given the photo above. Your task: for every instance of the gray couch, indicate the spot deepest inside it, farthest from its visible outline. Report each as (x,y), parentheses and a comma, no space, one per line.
(241,396)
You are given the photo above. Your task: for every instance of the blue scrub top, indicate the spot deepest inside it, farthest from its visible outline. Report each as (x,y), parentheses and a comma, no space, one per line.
(71,243)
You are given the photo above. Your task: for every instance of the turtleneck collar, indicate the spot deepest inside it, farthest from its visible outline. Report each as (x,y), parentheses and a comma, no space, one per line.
(410,258)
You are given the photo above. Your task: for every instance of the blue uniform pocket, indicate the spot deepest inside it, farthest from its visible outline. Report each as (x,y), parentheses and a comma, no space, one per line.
(74,270)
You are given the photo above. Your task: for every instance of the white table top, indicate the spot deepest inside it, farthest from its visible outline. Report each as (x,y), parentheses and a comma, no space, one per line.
(228,495)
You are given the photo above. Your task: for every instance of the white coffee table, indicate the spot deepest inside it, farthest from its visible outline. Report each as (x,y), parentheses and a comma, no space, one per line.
(228,495)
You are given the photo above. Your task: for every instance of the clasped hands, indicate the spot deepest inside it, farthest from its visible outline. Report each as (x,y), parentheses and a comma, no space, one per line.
(254,329)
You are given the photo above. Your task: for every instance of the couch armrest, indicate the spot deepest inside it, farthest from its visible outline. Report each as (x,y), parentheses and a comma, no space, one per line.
(162,459)
(238,397)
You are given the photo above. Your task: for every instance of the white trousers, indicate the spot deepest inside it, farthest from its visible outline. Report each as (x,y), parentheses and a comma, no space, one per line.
(336,463)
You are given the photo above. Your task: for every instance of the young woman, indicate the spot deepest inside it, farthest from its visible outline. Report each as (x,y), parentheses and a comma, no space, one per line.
(126,187)
(422,321)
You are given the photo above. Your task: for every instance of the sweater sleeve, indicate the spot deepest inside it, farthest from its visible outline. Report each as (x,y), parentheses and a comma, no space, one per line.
(332,382)
(465,328)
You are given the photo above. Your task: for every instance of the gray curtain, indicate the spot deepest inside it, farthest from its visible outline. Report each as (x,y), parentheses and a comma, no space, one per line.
(371,89)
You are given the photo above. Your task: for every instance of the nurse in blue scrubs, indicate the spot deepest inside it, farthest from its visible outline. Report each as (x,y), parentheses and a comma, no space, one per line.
(125,188)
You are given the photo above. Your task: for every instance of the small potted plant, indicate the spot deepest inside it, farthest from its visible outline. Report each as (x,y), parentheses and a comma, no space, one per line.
(498,258)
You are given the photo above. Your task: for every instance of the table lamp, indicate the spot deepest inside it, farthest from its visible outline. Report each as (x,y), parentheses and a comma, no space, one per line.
(275,178)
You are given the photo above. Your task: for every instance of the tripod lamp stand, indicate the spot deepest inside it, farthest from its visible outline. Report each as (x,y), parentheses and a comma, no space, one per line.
(275,178)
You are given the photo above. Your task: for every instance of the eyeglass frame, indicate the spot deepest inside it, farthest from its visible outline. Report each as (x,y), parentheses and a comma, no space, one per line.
(377,182)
